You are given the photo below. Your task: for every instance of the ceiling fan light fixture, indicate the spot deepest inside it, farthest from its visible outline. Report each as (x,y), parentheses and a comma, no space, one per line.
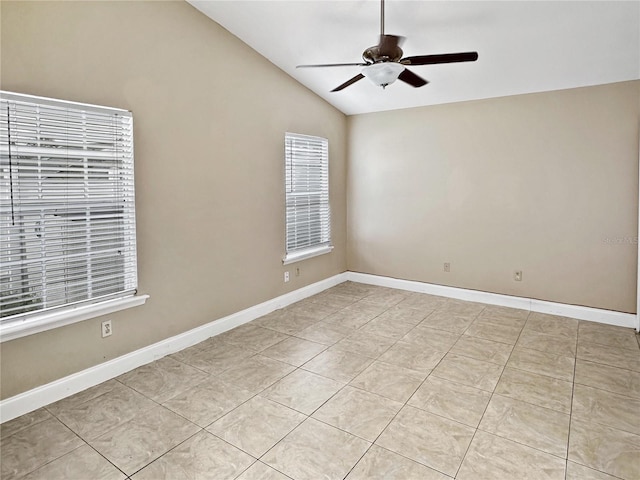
(383,74)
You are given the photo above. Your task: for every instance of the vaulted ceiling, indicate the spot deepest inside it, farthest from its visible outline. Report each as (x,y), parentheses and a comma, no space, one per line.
(523,46)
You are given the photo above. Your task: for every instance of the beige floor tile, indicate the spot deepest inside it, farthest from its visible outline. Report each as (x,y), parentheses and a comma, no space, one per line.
(365,309)
(354,316)
(317,311)
(617,337)
(366,344)
(554,344)
(285,321)
(187,355)
(522,431)
(303,391)
(260,471)
(431,338)
(163,379)
(24,421)
(468,371)
(608,355)
(535,361)
(605,449)
(482,328)
(34,446)
(606,408)
(358,412)
(552,325)
(498,313)
(144,438)
(387,298)
(211,342)
(457,402)
(81,463)
(257,425)
(491,458)
(412,356)
(253,337)
(338,365)
(390,381)
(384,327)
(617,380)
(214,359)
(256,373)
(481,349)
(294,351)
(316,451)
(428,439)
(462,308)
(530,425)
(381,464)
(98,410)
(325,333)
(537,389)
(207,401)
(353,288)
(423,302)
(333,299)
(201,456)
(575,471)
(507,320)
(404,314)
(447,322)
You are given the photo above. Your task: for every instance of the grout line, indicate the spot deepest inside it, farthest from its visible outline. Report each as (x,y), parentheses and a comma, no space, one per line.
(573,387)
(491,398)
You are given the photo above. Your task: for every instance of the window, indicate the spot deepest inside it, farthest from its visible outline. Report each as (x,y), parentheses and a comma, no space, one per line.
(308,221)
(67,216)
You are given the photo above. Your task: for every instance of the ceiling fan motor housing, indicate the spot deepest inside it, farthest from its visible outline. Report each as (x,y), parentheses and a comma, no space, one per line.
(377,54)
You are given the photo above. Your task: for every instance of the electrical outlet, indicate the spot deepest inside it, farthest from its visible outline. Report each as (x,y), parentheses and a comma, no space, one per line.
(447,267)
(517,276)
(106,328)
(286,276)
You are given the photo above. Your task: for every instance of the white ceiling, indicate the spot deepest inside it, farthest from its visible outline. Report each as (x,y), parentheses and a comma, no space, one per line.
(523,47)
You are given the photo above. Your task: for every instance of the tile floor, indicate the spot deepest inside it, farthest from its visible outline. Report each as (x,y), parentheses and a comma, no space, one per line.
(358,382)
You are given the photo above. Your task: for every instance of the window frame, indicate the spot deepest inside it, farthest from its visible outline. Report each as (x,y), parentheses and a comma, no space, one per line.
(323,226)
(70,310)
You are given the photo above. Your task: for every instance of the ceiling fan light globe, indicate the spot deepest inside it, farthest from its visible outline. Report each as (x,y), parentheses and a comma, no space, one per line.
(383,74)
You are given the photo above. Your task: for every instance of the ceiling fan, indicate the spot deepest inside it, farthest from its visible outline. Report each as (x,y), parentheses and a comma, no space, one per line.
(383,63)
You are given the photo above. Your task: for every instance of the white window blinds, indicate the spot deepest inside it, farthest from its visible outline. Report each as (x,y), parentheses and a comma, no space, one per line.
(308,221)
(67,216)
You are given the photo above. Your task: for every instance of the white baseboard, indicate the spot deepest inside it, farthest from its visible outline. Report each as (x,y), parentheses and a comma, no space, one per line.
(57,390)
(40,396)
(609,317)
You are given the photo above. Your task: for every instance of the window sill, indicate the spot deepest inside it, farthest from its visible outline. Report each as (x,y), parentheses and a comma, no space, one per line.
(305,254)
(47,321)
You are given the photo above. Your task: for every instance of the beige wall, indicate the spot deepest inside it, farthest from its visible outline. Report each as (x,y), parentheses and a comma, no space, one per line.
(210,116)
(536,183)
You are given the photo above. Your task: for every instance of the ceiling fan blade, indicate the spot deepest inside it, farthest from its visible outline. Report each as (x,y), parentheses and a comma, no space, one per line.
(333,65)
(348,82)
(412,79)
(443,58)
